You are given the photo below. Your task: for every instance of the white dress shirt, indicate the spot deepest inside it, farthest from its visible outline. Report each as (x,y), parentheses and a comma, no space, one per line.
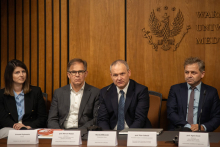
(75,100)
(119,95)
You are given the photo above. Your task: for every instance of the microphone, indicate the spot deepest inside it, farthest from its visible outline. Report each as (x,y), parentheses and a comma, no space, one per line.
(201,111)
(94,127)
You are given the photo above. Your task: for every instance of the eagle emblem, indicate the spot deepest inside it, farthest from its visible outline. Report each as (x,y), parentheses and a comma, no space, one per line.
(164,30)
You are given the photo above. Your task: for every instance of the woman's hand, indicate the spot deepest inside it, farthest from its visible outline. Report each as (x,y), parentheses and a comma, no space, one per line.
(18,126)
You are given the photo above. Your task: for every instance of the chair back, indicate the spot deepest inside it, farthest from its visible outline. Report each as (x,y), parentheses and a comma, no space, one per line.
(155,108)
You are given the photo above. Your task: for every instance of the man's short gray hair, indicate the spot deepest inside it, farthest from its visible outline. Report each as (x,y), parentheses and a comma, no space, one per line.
(193,60)
(77,60)
(119,62)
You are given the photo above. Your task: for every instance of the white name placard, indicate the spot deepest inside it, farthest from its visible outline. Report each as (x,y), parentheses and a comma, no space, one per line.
(102,138)
(22,137)
(66,138)
(141,138)
(193,139)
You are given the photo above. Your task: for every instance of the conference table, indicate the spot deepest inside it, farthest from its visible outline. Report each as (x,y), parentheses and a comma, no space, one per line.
(163,140)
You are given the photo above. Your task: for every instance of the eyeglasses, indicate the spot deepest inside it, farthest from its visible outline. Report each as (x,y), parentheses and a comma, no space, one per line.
(73,73)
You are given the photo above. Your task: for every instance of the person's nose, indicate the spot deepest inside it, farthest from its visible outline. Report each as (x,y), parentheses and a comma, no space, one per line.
(77,74)
(190,75)
(21,74)
(119,77)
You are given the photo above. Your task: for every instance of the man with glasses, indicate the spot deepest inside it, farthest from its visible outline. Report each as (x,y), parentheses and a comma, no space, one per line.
(74,105)
(124,103)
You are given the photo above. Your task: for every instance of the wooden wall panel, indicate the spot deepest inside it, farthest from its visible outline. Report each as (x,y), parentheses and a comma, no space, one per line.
(46,34)
(18,26)
(56,48)
(34,43)
(11,29)
(4,46)
(49,45)
(64,41)
(107,39)
(160,69)
(97,35)
(41,45)
(26,33)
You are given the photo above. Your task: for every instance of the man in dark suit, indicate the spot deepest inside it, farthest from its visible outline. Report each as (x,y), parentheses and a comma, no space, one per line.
(74,105)
(125,103)
(185,100)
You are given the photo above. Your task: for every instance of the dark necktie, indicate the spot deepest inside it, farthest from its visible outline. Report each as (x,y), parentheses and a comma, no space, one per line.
(121,117)
(190,107)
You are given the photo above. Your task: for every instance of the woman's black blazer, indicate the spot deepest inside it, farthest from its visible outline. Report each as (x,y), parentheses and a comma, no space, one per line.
(34,106)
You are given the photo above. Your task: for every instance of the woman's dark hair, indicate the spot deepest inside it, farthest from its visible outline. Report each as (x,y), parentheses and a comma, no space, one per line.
(9,77)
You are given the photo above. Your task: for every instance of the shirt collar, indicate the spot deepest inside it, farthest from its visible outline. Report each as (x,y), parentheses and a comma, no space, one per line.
(82,88)
(125,89)
(16,95)
(198,87)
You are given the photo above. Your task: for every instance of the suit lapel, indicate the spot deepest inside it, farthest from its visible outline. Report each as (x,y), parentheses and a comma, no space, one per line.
(129,95)
(201,98)
(85,98)
(114,99)
(11,103)
(184,97)
(28,103)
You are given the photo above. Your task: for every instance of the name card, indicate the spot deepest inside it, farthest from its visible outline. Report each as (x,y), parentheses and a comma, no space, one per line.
(141,138)
(66,138)
(22,137)
(193,139)
(102,138)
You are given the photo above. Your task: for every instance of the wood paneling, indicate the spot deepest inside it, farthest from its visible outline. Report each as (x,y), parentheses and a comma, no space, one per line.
(97,36)
(26,33)
(56,48)
(160,69)
(34,43)
(4,39)
(49,49)
(46,34)
(64,40)
(42,43)
(18,26)
(11,29)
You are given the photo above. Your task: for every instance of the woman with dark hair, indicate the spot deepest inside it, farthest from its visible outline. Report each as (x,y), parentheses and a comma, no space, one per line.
(21,105)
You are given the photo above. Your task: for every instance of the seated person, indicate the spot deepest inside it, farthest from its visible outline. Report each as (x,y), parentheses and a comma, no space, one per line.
(74,105)
(125,103)
(21,105)
(186,100)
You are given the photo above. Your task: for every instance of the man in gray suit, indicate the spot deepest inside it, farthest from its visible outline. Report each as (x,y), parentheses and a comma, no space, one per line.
(74,105)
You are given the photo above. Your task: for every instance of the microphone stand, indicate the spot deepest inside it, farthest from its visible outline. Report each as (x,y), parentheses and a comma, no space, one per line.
(94,127)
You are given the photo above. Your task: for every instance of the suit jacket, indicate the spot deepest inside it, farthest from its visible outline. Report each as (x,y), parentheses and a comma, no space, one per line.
(34,105)
(177,107)
(60,107)
(135,109)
